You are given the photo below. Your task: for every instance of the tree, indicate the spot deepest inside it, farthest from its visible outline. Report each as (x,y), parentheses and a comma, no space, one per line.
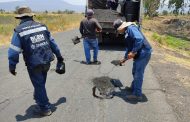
(2,11)
(59,12)
(68,11)
(16,9)
(176,4)
(165,13)
(46,11)
(189,11)
(151,6)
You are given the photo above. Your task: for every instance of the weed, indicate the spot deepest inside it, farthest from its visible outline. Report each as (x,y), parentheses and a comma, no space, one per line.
(172,42)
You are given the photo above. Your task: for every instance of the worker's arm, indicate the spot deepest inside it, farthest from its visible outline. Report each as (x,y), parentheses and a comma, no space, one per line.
(126,51)
(138,38)
(55,48)
(13,53)
(98,26)
(81,29)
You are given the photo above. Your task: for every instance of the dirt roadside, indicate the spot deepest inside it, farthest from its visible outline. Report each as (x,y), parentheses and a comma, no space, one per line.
(173,73)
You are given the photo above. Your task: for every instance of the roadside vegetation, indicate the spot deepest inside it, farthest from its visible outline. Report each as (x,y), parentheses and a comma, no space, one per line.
(172,42)
(169,32)
(55,23)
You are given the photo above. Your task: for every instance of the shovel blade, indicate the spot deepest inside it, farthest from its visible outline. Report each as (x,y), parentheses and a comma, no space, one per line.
(76,40)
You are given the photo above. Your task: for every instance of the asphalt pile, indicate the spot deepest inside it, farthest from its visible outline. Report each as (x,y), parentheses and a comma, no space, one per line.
(99,4)
(106,15)
(104,86)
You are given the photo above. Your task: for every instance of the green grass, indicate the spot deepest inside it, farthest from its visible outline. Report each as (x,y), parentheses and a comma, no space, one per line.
(54,22)
(172,42)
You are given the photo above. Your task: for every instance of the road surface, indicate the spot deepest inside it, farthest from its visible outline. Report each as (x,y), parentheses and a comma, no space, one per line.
(71,94)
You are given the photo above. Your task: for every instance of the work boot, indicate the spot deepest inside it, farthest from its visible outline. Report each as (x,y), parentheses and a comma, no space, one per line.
(84,62)
(134,98)
(128,89)
(41,112)
(96,62)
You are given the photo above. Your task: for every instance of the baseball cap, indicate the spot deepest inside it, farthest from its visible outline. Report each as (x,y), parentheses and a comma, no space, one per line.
(89,13)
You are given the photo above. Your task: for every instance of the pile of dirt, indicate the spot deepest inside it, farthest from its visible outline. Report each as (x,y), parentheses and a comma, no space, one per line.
(105,15)
(174,26)
(179,27)
(99,4)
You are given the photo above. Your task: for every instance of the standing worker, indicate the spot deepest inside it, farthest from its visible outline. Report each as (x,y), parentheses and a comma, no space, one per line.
(112,4)
(88,28)
(34,41)
(138,49)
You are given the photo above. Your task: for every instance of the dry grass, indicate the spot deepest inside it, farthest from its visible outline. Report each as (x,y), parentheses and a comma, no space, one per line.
(182,62)
(170,57)
(176,29)
(55,23)
(165,34)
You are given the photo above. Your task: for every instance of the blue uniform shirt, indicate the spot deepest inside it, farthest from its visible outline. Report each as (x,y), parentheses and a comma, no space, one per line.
(135,41)
(16,48)
(14,51)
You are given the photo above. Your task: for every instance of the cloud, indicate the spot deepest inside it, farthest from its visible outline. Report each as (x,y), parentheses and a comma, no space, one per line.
(76,2)
(3,1)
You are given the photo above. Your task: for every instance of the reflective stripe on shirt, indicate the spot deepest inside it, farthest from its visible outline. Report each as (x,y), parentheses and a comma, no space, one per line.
(15,48)
(24,33)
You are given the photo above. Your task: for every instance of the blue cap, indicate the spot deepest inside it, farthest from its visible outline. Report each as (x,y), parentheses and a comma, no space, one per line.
(89,13)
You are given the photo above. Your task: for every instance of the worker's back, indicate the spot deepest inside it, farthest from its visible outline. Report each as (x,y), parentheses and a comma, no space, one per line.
(89,26)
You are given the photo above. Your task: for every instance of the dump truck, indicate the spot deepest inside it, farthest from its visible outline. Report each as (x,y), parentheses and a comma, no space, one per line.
(127,10)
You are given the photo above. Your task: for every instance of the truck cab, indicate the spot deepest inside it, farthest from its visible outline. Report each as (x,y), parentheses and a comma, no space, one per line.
(127,10)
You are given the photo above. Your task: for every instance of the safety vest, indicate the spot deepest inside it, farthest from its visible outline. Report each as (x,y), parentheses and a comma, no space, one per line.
(35,42)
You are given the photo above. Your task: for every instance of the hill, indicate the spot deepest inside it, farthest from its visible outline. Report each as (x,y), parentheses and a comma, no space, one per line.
(50,5)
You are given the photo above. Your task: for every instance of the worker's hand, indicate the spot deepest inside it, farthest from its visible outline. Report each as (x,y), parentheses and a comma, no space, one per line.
(122,61)
(12,71)
(131,55)
(98,30)
(60,59)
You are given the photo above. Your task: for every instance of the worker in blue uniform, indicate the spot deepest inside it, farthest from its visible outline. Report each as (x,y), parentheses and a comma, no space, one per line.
(138,49)
(34,41)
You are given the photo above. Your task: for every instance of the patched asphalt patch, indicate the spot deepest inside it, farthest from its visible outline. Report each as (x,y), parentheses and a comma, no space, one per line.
(105,86)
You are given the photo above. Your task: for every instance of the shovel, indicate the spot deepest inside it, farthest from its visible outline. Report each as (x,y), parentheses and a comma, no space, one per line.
(76,40)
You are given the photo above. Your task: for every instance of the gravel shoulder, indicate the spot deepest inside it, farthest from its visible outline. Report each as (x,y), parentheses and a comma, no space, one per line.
(172,70)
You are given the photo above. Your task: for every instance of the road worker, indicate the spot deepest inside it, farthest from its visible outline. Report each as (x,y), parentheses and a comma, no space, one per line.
(88,28)
(112,4)
(35,42)
(138,49)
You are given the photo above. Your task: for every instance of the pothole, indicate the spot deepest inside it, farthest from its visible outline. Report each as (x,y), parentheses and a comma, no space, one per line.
(104,87)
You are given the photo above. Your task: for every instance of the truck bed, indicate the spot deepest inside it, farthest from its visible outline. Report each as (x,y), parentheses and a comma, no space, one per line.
(106,17)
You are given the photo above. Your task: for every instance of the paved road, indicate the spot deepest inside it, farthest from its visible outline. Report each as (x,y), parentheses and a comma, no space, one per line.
(71,93)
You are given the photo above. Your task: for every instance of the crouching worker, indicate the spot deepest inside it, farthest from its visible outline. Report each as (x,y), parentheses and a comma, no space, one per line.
(138,49)
(34,41)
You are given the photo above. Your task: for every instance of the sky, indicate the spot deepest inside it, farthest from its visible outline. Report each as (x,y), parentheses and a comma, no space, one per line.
(75,2)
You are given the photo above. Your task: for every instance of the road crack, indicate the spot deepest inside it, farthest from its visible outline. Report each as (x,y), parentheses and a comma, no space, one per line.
(4,104)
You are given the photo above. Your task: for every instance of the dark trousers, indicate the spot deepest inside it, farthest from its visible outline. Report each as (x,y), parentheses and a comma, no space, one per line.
(38,77)
(139,66)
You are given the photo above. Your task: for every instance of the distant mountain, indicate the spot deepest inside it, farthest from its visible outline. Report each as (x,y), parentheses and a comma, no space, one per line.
(42,5)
